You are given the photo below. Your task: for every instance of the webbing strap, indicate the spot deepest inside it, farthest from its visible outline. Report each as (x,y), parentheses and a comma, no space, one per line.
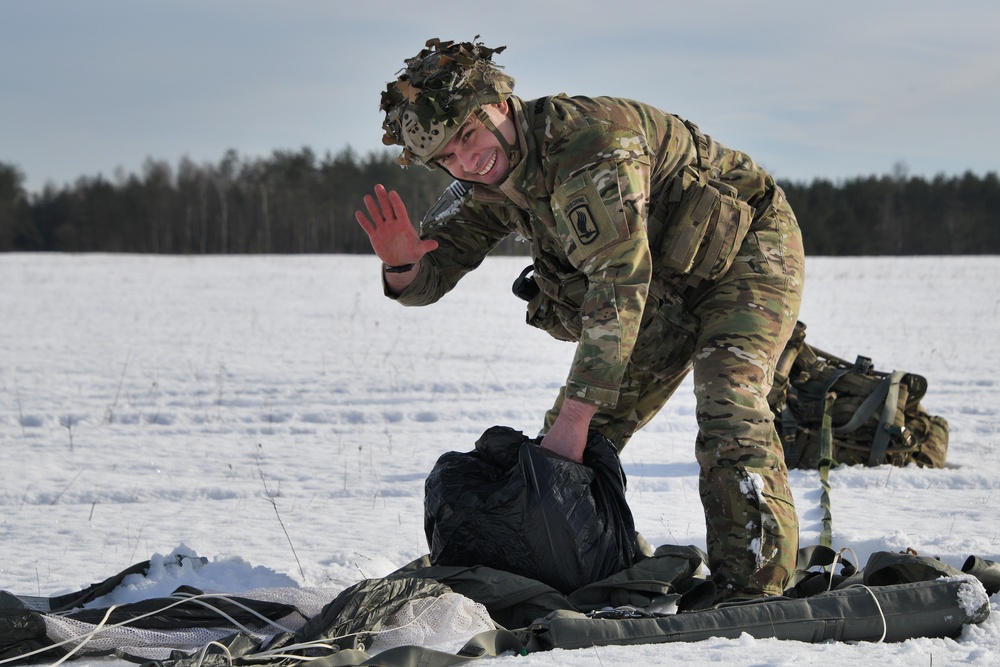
(819,556)
(486,644)
(511,151)
(888,419)
(867,408)
(700,146)
(825,461)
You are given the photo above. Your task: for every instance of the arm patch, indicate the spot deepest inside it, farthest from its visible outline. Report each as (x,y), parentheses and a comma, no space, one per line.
(583,220)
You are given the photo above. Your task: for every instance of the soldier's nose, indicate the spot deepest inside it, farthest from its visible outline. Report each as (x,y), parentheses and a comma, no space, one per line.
(469,161)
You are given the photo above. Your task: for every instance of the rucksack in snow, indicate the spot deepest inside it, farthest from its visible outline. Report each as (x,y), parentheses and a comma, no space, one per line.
(829,411)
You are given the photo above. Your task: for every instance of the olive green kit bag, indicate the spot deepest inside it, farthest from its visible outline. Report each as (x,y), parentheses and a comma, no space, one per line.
(829,411)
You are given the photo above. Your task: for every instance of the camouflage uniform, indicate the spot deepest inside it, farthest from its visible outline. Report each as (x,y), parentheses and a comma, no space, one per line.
(658,251)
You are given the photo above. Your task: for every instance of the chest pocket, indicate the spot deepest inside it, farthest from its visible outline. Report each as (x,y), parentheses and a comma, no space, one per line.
(701,224)
(698,222)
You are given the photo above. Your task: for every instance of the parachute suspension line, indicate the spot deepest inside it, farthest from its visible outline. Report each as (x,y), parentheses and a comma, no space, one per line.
(83,639)
(833,564)
(86,638)
(203,653)
(330,643)
(885,626)
(199,599)
(279,653)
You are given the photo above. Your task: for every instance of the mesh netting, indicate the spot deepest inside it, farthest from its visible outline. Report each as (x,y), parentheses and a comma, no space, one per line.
(157,644)
(433,623)
(445,623)
(139,642)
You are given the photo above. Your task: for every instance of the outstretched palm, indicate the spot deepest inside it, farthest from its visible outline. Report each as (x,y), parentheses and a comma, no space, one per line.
(393,238)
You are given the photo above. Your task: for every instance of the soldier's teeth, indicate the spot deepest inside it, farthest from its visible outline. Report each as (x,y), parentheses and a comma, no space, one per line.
(489,165)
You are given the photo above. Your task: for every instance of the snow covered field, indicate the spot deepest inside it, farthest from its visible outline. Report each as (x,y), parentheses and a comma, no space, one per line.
(152,404)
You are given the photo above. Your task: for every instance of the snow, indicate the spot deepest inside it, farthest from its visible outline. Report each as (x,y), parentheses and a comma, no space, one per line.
(278,416)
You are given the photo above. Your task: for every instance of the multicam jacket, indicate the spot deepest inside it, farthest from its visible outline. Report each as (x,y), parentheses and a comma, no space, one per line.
(619,201)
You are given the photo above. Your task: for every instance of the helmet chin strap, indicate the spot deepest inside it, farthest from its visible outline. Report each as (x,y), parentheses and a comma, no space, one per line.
(513,155)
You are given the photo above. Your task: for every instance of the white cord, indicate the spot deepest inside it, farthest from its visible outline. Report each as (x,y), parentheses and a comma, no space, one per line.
(279,652)
(328,644)
(833,565)
(198,599)
(84,638)
(885,627)
(79,646)
(203,653)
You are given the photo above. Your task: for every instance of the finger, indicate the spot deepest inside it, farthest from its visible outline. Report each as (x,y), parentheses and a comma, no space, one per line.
(428,245)
(365,223)
(398,208)
(373,210)
(384,202)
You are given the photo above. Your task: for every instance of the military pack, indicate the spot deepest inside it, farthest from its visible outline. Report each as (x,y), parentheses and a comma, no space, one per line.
(830,411)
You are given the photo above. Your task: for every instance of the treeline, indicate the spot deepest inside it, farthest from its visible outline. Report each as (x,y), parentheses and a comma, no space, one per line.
(290,202)
(899,215)
(297,202)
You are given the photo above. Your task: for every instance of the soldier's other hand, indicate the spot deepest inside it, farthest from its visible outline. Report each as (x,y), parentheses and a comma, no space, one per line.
(568,434)
(388,226)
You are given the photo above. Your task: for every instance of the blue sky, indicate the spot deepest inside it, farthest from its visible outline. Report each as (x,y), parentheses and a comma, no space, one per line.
(809,89)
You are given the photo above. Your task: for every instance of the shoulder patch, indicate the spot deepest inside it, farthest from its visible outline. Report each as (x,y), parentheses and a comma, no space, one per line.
(583,219)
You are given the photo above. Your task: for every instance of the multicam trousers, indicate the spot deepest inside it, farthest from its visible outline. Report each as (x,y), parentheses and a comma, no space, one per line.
(729,333)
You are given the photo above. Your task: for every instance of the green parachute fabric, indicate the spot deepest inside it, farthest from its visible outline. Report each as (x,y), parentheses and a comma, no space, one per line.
(893,598)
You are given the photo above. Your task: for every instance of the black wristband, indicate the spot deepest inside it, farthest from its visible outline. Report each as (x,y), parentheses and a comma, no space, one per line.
(402,268)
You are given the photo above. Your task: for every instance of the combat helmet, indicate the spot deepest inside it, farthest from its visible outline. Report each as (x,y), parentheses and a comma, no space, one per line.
(435,94)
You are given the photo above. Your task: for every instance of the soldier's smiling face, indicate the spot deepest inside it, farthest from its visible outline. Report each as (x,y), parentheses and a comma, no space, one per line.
(474,153)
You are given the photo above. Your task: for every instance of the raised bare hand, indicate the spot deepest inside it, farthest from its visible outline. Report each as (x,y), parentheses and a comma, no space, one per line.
(392,236)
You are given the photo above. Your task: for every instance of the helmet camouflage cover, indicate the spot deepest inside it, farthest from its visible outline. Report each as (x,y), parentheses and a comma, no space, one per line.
(436,92)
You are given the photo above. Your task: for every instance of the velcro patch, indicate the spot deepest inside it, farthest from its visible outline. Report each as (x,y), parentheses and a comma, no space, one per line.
(583,219)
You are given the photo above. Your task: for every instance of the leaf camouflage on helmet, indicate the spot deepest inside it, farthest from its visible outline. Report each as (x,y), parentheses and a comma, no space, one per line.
(436,92)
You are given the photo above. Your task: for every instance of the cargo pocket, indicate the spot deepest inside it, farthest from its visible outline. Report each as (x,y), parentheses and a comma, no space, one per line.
(666,337)
(552,308)
(702,224)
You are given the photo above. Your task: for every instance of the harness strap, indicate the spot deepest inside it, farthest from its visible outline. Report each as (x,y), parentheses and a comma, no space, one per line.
(825,462)
(491,643)
(700,144)
(806,580)
(886,424)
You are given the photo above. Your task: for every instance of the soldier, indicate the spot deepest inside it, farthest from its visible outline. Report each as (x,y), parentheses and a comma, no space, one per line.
(656,250)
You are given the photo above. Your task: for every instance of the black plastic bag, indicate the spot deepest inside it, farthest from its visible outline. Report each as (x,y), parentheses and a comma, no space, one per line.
(514,506)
